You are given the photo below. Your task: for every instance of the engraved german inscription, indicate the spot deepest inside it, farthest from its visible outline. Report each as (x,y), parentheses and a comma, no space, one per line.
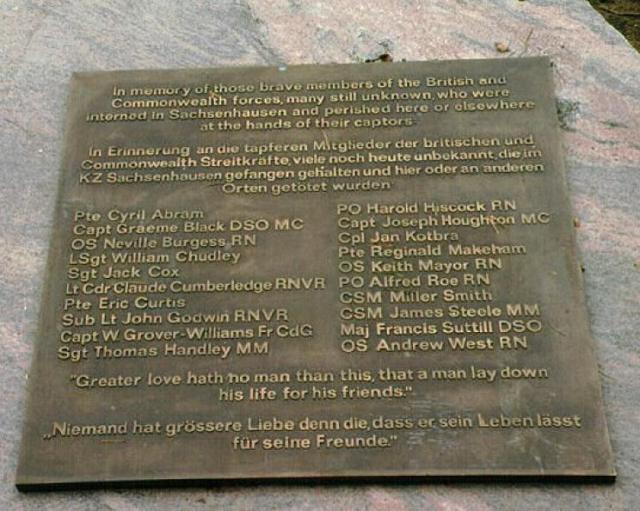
(313,271)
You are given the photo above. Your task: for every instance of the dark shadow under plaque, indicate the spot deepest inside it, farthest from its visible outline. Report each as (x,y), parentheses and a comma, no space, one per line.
(318,271)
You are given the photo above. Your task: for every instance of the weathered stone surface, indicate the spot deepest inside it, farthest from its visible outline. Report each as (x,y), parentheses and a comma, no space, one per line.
(597,76)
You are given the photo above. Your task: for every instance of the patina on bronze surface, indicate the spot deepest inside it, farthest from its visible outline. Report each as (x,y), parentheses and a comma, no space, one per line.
(315,271)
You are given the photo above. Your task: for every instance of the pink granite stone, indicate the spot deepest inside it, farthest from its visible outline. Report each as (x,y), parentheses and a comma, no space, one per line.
(597,81)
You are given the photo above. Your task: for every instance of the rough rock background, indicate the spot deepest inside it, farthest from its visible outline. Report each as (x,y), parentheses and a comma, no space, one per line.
(598,87)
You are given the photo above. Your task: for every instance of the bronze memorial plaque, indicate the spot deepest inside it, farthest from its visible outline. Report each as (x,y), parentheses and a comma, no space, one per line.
(315,271)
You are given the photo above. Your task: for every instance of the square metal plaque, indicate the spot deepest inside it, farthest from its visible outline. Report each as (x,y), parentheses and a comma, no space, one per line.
(313,272)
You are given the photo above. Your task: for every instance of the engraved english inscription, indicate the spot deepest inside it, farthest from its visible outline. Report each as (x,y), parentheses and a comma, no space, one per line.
(317,271)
